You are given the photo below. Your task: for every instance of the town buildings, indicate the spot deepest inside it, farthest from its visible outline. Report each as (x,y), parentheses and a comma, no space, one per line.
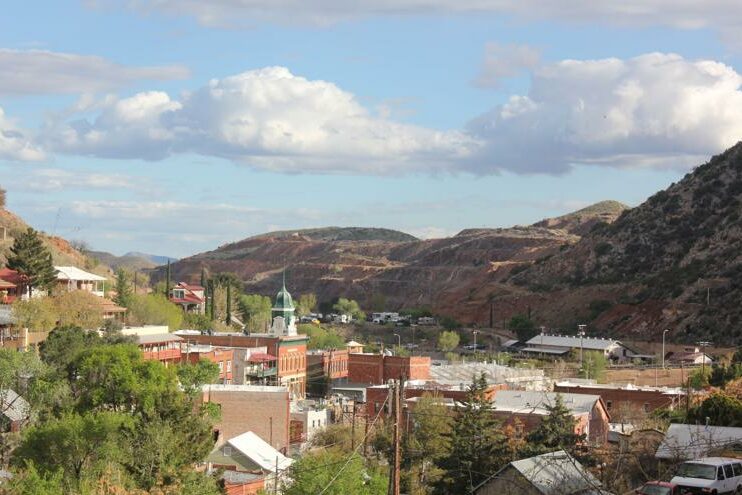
(626,402)
(191,298)
(683,441)
(376,369)
(525,410)
(555,473)
(264,410)
(560,345)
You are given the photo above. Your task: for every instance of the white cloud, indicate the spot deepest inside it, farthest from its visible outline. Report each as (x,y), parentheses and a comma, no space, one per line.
(502,61)
(46,72)
(269,119)
(54,179)
(653,110)
(15,145)
(724,15)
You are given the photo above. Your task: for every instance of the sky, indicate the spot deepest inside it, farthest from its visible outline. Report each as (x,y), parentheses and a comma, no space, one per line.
(175,126)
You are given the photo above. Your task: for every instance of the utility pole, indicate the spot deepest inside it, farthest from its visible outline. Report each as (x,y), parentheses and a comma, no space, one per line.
(397,411)
(275,483)
(703,345)
(353,429)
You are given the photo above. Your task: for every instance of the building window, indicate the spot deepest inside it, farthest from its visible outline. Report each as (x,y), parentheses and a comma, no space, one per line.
(229,366)
(646,407)
(221,366)
(609,404)
(227,450)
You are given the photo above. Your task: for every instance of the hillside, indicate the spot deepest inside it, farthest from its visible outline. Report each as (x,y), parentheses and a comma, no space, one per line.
(382,268)
(62,252)
(127,261)
(582,221)
(673,262)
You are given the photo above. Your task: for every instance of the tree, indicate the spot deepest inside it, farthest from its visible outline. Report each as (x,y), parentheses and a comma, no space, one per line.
(428,443)
(167,280)
(306,304)
(154,309)
(321,337)
(349,307)
(523,327)
(73,444)
(228,318)
(33,260)
(593,366)
(720,409)
(449,323)
(556,430)
(78,308)
(37,314)
(256,311)
(478,447)
(448,341)
(193,375)
(123,289)
(315,471)
(2,197)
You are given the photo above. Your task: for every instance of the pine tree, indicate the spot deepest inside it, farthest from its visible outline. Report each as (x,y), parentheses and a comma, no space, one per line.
(123,289)
(556,431)
(31,258)
(478,447)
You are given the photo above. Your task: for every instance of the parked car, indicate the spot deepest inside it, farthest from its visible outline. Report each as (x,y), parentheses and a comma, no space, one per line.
(658,488)
(715,475)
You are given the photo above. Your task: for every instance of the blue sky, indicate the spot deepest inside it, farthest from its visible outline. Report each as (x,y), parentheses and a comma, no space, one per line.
(172,127)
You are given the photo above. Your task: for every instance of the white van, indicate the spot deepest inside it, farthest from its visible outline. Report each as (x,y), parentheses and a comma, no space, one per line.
(715,475)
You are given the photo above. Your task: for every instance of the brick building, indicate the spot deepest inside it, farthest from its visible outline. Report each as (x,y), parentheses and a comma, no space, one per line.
(527,410)
(376,395)
(325,367)
(223,357)
(377,369)
(289,353)
(627,403)
(263,410)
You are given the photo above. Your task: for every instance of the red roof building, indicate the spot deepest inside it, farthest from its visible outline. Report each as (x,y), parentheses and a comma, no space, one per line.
(12,285)
(192,298)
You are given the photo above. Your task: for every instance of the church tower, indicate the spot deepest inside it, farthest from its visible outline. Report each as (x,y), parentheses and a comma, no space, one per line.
(282,313)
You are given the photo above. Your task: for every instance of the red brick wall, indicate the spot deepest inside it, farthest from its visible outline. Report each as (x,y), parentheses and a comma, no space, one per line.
(366,368)
(250,488)
(264,413)
(375,396)
(223,356)
(377,369)
(625,404)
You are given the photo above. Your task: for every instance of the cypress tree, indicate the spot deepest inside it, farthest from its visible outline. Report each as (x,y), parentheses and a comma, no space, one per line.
(123,290)
(167,279)
(212,312)
(228,319)
(31,258)
(203,277)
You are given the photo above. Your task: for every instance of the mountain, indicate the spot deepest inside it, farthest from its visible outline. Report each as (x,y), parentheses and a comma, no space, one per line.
(382,268)
(127,261)
(673,262)
(154,259)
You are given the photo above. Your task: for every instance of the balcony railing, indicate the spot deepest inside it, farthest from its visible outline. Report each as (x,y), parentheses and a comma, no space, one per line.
(164,355)
(261,372)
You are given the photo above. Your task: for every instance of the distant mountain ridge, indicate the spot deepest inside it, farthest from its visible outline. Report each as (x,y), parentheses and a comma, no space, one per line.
(342,234)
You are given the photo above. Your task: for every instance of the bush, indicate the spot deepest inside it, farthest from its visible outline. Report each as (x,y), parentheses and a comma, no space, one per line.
(448,341)
(154,309)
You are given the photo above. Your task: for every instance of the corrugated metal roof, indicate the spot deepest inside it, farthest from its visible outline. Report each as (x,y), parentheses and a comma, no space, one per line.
(572,341)
(545,350)
(518,400)
(557,473)
(74,273)
(260,452)
(684,441)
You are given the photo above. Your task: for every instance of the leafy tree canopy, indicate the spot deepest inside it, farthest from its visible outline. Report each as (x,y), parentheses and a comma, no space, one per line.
(448,341)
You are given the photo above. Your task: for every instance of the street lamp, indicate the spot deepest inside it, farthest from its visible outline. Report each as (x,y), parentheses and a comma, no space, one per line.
(581,333)
(663,347)
(399,340)
(475,332)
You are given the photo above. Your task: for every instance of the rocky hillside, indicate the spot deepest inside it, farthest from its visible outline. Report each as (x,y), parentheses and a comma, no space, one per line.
(62,252)
(673,262)
(582,221)
(384,269)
